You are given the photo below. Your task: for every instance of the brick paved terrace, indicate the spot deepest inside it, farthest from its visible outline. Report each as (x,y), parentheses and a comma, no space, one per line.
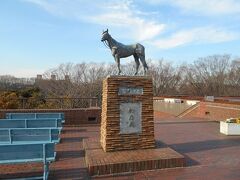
(209,154)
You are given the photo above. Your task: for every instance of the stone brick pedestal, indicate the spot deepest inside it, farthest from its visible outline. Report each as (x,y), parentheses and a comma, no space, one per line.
(127,141)
(127,113)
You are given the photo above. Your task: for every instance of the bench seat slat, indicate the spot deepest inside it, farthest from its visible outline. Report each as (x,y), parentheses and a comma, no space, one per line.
(29,123)
(35,116)
(25,153)
(29,142)
(21,136)
(26,160)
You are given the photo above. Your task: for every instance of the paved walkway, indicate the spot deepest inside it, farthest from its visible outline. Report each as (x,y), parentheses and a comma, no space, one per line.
(210,155)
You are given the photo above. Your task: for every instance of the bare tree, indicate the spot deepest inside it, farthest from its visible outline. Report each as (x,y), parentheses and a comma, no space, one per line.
(165,77)
(234,78)
(214,75)
(208,76)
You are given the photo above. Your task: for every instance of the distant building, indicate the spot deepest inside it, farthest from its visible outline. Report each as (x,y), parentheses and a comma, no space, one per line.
(53,85)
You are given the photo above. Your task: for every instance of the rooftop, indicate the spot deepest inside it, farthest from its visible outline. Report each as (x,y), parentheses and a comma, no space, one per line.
(209,154)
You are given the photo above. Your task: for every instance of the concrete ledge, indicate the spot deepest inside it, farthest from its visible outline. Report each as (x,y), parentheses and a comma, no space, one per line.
(103,163)
(229,128)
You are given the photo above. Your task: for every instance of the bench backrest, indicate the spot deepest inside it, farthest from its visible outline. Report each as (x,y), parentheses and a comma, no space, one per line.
(22,153)
(34,115)
(30,123)
(31,135)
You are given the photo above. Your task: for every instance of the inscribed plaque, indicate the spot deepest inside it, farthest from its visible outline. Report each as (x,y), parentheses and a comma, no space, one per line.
(130,118)
(130,91)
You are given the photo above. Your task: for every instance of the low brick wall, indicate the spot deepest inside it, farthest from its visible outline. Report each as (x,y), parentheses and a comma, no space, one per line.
(215,111)
(72,116)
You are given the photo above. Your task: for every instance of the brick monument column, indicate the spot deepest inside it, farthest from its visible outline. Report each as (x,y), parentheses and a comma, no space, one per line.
(127,113)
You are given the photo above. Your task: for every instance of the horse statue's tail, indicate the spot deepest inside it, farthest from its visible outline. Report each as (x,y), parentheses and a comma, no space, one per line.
(140,50)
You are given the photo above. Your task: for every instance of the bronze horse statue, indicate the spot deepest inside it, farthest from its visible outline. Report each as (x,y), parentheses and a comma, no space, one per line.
(120,50)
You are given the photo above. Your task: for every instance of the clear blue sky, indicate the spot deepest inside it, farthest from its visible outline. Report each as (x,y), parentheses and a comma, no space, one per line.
(36,35)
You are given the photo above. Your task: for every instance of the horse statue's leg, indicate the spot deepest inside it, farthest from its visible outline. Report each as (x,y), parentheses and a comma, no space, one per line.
(117,59)
(137,63)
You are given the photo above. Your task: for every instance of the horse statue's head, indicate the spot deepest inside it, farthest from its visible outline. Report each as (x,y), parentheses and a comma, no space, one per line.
(105,35)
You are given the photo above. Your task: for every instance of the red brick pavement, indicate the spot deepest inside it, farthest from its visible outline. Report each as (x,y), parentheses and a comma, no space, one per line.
(209,154)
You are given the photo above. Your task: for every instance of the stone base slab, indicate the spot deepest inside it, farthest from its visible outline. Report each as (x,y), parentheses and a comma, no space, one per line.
(103,163)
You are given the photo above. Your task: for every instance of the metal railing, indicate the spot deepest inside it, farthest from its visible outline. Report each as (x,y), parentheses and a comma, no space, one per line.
(57,103)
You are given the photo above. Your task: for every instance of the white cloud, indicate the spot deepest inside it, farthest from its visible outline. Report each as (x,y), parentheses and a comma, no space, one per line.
(120,13)
(207,7)
(140,29)
(138,25)
(195,36)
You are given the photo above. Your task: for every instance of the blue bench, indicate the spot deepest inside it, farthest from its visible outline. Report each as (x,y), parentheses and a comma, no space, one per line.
(35,116)
(28,136)
(25,153)
(30,123)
